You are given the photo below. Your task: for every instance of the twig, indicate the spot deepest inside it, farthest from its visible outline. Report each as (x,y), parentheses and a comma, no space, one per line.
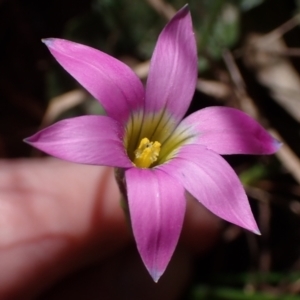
(263,43)
(288,52)
(214,88)
(61,104)
(246,102)
(281,30)
(163,8)
(286,155)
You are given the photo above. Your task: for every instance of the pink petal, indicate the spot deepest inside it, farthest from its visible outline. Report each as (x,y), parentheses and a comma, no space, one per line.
(173,71)
(230,131)
(157,208)
(210,179)
(94,140)
(110,81)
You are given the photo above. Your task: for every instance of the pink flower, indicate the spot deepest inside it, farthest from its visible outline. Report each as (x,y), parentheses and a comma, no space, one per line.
(143,133)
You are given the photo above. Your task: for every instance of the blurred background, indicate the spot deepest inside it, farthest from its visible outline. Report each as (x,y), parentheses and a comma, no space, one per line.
(249,58)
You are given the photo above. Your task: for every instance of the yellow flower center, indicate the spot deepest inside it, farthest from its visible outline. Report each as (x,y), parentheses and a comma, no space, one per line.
(146,153)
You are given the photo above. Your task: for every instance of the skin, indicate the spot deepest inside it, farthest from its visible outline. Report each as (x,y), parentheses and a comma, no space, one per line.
(63,235)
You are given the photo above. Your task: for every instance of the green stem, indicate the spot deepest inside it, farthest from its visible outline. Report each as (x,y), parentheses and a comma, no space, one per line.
(120,178)
(214,13)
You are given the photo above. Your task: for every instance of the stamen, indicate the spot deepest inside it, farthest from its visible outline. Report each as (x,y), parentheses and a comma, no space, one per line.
(147,153)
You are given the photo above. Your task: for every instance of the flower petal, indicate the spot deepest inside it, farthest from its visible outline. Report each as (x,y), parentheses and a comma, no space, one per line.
(230,131)
(157,208)
(173,70)
(210,179)
(94,140)
(110,81)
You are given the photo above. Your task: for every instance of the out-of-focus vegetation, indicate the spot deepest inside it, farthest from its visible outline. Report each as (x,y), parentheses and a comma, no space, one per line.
(132,27)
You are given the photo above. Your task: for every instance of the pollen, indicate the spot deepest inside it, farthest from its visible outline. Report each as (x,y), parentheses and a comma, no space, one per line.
(147,153)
